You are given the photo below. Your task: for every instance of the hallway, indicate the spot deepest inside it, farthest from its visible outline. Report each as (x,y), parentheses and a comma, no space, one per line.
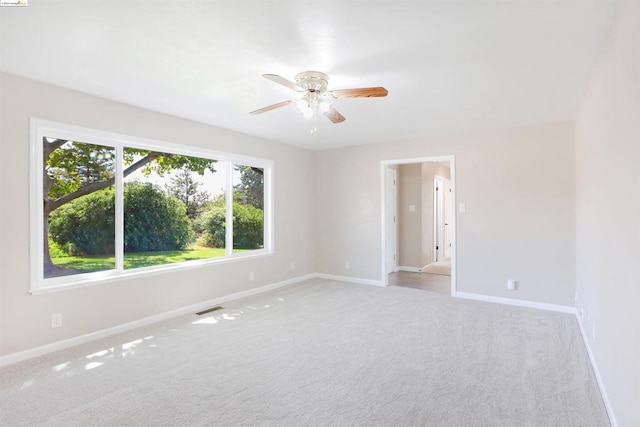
(428,282)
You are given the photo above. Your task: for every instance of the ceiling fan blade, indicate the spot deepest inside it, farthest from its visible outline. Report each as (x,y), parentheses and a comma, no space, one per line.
(333,115)
(363,92)
(272,107)
(284,82)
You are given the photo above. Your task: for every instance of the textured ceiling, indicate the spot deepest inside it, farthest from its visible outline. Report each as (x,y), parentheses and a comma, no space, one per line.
(449,66)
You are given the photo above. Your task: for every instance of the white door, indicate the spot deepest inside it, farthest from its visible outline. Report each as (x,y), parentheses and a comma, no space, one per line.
(448,206)
(391,215)
(438,218)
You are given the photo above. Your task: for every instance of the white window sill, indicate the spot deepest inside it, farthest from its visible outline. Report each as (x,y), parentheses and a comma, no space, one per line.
(92,279)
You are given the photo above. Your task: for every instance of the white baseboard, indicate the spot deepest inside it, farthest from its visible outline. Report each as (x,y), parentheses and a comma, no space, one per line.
(410,269)
(596,371)
(517,302)
(82,339)
(348,279)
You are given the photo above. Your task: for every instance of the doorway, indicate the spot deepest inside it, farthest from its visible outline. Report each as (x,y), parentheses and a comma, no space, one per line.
(420,231)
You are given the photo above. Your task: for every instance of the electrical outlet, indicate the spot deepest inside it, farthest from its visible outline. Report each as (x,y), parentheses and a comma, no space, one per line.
(252,276)
(347,265)
(56,320)
(511,284)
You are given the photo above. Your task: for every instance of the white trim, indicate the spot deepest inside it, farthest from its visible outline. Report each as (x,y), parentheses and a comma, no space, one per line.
(348,279)
(82,339)
(267,211)
(517,302)
(228,209)
(91,279)
(391,174)
(36,215)
(596,371)
(113,139)
(436,208)
(43,128)
(416,160)
(119,212)
(384,274)
(454,228)
(410,269)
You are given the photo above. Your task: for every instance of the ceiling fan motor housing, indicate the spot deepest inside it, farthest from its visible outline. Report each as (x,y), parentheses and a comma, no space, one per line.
(313,81)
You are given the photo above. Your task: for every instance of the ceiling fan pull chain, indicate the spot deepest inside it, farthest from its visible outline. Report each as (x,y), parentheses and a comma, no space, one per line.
(314,129)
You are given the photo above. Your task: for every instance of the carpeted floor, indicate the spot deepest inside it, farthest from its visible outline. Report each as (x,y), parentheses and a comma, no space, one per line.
(322,353)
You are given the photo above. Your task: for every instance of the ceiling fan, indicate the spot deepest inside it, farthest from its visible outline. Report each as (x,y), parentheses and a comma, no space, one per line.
(315,96)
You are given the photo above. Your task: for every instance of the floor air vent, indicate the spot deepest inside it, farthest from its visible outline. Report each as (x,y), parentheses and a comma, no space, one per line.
(209,310)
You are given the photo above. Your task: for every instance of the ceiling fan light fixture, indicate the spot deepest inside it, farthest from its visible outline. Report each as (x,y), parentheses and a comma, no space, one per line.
(323,106)
(305,109)
(313,87)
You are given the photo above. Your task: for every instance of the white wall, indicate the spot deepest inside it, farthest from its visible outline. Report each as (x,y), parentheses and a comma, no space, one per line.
(25,318)
(519,189)
(608,215)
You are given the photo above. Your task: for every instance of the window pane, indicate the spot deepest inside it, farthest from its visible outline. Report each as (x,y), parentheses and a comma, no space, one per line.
(172,208)
(248,208)
(79,207)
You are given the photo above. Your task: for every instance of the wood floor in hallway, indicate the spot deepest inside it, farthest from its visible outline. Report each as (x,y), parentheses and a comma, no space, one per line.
(428,282)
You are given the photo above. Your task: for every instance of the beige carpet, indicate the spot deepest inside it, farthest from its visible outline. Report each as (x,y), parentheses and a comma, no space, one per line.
(322,353)
(442,267)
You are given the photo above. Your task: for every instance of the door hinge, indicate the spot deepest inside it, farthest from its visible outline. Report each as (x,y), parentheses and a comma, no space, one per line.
(437,248)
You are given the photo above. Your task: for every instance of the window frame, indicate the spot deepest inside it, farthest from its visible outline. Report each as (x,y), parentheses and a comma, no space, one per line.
(40,129)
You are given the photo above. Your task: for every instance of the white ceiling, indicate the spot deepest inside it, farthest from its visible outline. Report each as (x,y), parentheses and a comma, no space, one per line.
(449,66)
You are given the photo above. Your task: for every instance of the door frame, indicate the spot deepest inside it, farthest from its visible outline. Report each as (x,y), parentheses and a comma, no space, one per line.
(449,208)
(384,164)
(391,250)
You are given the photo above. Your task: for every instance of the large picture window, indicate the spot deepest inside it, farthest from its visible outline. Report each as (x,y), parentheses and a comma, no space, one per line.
(108,205)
